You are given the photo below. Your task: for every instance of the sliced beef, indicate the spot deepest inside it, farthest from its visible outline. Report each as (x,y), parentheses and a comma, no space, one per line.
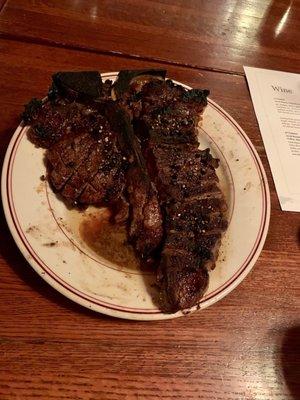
(170,111)
(191,200)
(176,169)
(138,155)
(182,280)
(194,222)
(145,225)
(204,245)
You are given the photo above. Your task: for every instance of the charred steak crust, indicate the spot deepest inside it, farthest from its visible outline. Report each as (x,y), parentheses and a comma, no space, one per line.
(77,85)
(86,169)
(75,102)
(145,225)
(165,117)
(84,163)
(133,146)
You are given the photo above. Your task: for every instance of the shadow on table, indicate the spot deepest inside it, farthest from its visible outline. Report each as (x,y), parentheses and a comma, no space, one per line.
(290,360)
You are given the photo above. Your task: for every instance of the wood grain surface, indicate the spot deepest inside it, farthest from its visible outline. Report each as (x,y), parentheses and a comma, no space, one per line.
(214,34)
(244,347)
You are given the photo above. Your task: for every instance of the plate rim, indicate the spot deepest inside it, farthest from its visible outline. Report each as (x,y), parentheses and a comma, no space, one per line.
(230,285)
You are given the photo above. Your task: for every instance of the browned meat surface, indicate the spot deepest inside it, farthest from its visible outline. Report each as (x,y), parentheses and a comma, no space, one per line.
(194,223)
(138,155)
(87,168)
(84,163)
(187,184)
(51,122)
(169,112)
(145,225)
(182,281)
(69,110)
(176,169)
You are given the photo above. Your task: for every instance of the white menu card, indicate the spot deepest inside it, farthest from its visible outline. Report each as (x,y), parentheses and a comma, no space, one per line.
(276,99)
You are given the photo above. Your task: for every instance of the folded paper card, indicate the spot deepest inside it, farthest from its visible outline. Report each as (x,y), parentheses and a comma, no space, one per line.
(276,100)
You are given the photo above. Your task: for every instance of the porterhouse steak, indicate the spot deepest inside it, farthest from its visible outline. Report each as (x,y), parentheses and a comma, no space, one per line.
(133,146)
(191,200)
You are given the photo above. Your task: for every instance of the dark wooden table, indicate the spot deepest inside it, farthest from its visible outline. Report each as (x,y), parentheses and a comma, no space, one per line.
(247,346)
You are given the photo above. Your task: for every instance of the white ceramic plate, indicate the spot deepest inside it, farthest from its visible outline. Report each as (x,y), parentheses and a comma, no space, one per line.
(54,241)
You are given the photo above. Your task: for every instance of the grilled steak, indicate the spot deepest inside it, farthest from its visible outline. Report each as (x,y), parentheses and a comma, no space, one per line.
(68,110)
(87,169)
(145,219)
(145,229)
(84,163)
(192,203)
(136,151)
